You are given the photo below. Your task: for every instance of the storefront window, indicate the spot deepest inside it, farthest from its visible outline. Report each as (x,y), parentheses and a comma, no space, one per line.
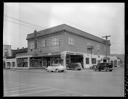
(93,60)
(87,60)
(115,62)
(22,62)
(13,64)
(8,64)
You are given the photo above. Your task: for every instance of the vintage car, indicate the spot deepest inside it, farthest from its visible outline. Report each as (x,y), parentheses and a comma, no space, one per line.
(56,68)
(103,67)
(74,66)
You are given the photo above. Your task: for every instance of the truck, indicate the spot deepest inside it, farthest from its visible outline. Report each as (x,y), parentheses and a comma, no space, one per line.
(103,67)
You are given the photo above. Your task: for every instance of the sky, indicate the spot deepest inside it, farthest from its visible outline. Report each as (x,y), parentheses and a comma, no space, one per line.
(98,19)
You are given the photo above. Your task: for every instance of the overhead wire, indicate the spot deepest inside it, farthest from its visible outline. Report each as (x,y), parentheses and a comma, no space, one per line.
(20,24)
(23,22)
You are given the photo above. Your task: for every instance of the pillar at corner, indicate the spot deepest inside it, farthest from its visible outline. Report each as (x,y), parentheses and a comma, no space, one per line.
(63,56)
(84,61)
(28,62)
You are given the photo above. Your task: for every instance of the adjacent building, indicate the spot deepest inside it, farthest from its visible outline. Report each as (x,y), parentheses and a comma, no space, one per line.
(7,51)
(9,60)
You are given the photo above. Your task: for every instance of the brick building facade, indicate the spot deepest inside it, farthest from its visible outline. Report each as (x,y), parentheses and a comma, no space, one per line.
(65,44)
(62,44)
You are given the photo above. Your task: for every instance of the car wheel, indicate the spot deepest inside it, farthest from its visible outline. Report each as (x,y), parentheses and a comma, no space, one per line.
(62,70)
(56,70)
(110,70)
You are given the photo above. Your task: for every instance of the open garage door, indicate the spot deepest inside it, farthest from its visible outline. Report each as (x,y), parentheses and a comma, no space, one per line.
(70,58)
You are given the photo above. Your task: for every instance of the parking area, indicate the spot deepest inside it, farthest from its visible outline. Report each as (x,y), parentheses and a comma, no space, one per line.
(70,83)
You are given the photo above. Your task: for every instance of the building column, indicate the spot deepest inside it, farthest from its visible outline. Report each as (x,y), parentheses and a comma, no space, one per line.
(63,56)
(11,64)
(84,62)
(15,63)
(28,62)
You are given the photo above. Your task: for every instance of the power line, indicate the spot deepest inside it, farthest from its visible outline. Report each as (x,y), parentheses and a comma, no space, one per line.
(19,23)
(23,21)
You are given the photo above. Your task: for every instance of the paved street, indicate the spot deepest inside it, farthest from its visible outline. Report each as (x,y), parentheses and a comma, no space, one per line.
(70,83)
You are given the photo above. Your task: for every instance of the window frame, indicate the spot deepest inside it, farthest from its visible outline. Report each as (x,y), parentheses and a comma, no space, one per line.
(87,62)
(55,42)
(93,61)
(31,46)
(70,41)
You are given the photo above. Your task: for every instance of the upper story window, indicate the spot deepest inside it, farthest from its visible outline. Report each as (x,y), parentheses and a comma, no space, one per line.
(43,43)
(55,42)
(31,46)
(70,41)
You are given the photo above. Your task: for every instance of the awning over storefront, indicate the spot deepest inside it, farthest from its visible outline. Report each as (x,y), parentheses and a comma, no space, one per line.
(74,53)
(22,55)
(46,54)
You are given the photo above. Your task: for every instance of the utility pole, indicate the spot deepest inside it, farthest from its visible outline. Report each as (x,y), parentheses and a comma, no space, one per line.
(106,38)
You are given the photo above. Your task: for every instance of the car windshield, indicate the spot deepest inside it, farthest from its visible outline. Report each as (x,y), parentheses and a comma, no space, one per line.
(76,65)
(103,64)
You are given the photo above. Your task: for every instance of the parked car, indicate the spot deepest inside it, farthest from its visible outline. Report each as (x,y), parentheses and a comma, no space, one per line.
(56,68)
(103,67)
(93,67)
(74,66)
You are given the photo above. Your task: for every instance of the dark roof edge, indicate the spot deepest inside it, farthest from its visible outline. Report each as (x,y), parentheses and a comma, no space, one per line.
(64,27)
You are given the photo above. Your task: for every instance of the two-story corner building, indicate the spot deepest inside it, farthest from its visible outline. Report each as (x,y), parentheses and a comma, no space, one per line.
(65,44)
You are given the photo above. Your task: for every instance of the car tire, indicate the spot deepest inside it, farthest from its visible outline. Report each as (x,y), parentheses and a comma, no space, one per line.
(56,70)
